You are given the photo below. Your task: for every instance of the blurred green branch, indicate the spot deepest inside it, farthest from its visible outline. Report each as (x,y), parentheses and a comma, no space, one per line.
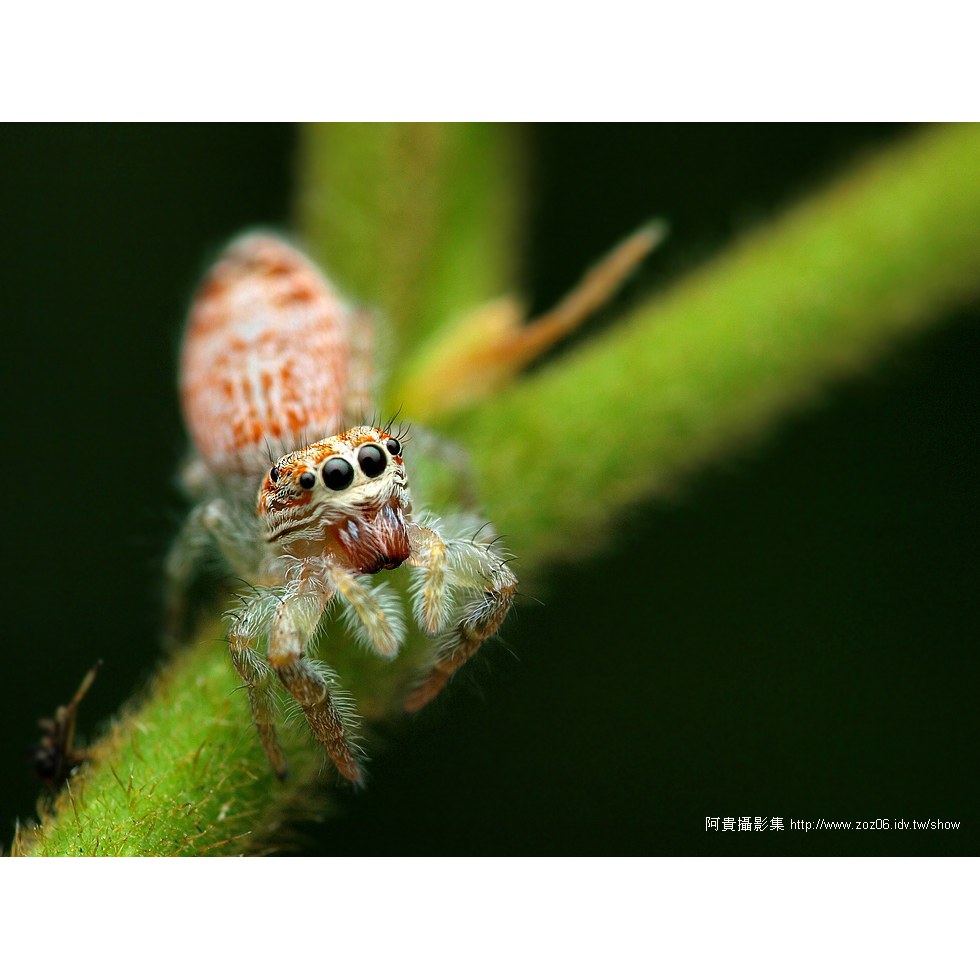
(422,221)
(721,356)
(813,296)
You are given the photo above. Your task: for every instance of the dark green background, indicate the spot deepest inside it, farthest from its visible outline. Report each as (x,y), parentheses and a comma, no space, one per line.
(795,635)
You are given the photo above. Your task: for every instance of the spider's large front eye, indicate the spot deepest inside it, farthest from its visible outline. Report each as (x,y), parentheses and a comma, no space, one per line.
(307,481)
(338,474)
(372,460)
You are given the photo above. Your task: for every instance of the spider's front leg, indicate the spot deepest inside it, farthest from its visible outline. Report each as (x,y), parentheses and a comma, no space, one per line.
(257,677)
(210,525)
(308,681)
(290,616)
(463,575)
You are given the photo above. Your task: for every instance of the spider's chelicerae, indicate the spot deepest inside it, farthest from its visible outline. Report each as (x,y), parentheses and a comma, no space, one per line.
(272,353)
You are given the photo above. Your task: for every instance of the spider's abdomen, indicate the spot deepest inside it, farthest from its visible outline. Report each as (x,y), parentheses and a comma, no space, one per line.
(266,355)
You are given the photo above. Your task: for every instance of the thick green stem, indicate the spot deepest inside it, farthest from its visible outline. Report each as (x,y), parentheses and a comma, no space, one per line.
(693,373)
(809,298)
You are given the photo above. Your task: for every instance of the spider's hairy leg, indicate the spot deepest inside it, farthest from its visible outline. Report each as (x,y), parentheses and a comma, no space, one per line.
(247,623)
(309,682)
(211,524)
(453,570)
(193,541)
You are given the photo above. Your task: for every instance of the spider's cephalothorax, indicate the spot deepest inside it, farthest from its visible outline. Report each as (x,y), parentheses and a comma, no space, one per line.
(271,355)
(346,496)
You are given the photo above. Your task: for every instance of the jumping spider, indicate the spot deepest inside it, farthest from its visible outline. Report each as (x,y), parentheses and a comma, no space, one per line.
(270,353)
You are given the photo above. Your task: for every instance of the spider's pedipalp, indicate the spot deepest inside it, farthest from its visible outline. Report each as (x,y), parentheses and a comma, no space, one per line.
(372,613)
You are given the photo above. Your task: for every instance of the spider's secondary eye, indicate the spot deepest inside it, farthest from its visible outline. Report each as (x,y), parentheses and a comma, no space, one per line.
(307,481)
(372,460)
(274,474)
(338,474)
(394,446)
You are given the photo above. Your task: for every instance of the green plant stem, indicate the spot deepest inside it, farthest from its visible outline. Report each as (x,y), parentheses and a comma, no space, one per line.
(718,358)
(813,296)
(422,220)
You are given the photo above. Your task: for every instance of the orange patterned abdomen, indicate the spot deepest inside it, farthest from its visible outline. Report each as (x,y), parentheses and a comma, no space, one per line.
(266,356)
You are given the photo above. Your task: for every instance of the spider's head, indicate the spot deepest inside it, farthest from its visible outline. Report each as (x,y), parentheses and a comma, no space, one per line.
(345,496)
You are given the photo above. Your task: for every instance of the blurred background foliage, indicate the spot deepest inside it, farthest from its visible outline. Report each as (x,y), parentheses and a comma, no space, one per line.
(794,634)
